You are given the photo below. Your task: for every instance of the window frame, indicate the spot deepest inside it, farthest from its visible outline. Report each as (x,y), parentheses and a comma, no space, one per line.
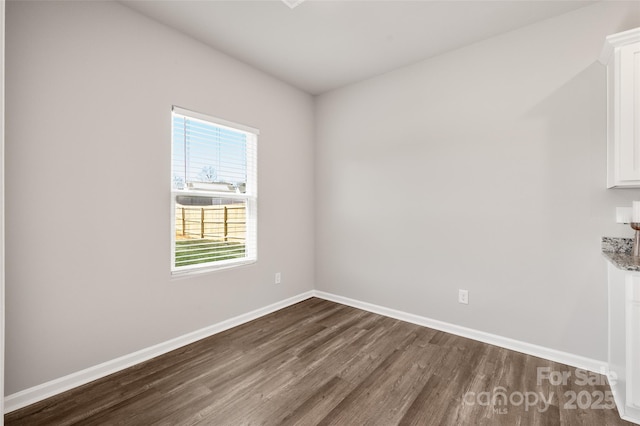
(250,196)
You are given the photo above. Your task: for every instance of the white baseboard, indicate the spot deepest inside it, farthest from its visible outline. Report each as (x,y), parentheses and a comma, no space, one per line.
(492,339)
(45,390)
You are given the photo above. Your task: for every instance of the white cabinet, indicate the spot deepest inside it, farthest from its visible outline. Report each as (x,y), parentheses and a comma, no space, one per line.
(621,55)
(633,340)
(624,341)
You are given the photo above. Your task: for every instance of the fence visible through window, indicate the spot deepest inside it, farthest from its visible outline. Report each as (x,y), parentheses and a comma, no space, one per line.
(209,233)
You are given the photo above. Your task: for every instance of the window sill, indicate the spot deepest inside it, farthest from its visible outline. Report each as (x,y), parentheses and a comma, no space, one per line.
(186,273)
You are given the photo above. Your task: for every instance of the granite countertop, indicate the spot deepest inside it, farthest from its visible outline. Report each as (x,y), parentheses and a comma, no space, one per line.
(618,252)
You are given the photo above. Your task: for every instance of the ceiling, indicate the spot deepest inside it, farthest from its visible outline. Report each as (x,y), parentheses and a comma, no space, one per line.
(321,45)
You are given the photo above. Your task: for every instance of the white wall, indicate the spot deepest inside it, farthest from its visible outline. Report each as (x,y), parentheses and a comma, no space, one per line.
(89,91)
(2,221)
(482,169)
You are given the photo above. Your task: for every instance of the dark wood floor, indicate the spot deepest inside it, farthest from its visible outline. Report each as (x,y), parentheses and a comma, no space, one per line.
(318,362)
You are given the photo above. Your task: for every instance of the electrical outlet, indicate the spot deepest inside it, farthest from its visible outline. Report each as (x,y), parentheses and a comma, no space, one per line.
(278,278)
(463,296)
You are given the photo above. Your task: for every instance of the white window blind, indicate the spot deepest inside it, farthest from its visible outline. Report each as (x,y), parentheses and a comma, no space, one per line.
(213,192)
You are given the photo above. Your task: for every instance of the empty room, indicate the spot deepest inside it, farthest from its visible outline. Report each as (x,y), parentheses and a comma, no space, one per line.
(309,212)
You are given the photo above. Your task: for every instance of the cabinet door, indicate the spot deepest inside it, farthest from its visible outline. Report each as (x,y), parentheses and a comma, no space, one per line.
(627,121)
(633,340)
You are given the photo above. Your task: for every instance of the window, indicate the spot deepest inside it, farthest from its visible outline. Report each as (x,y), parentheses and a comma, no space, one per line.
(213,193)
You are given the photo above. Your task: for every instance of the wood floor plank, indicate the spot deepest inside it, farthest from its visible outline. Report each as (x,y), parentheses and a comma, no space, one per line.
(322,401)
(319,362)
